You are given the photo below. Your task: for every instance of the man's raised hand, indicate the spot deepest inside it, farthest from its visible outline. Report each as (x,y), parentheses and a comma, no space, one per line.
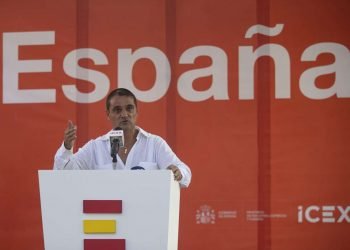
(70,134)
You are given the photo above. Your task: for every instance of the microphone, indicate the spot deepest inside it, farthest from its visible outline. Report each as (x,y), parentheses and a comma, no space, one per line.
(116,139)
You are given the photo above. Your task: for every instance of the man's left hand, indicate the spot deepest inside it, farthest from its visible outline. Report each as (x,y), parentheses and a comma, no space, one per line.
(176,171)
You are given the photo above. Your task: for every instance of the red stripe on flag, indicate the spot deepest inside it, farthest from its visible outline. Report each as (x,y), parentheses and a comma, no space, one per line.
(104,244)
(102,206)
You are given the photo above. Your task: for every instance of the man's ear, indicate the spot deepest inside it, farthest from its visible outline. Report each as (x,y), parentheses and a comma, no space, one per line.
(107,113)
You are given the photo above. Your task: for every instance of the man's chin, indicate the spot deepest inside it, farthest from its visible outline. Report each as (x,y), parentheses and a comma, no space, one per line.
(126,125)
(120,126)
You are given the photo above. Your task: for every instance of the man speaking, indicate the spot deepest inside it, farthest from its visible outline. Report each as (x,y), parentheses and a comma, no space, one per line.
(134,148)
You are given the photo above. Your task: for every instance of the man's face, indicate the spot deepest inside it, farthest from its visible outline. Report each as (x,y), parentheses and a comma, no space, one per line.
(122,112)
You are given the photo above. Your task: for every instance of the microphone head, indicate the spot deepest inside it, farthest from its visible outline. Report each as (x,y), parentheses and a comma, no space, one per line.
(117,136)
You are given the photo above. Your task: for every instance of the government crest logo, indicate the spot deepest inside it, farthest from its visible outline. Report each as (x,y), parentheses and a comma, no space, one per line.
(205,215)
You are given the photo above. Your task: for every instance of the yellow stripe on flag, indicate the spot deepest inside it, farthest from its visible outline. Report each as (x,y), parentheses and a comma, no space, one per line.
(99,226)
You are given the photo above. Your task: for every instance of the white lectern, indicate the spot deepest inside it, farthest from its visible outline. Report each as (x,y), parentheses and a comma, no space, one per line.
(147,218)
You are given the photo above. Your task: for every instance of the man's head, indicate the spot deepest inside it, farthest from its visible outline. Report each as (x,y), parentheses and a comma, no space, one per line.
(121,108)
(119,92)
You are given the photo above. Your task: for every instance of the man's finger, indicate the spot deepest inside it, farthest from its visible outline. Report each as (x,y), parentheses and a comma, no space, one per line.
(70,124)
(171,167)
(70,131)
(71,137)
(177,174)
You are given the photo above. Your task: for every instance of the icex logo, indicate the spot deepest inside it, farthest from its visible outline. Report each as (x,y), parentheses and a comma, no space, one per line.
(324,214)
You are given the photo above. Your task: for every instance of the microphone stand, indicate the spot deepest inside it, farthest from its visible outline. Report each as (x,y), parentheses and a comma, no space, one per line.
(114,152)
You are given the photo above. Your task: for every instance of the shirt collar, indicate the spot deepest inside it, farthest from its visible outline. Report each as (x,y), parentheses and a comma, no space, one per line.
(142,133)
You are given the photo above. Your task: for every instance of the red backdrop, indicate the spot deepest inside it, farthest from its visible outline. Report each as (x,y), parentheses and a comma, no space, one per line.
(270,170)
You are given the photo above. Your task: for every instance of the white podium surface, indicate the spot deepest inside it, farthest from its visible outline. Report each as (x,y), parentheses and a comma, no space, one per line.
(150,213)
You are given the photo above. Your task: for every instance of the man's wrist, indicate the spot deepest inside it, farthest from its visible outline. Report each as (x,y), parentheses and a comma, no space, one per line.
(65,146)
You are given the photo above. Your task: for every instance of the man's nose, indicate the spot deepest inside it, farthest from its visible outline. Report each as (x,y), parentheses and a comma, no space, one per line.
(124,113)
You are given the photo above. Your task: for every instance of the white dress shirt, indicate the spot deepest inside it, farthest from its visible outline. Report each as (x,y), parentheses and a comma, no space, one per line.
(149,151)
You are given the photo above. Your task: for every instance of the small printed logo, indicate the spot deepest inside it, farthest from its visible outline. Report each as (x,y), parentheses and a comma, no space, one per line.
(205,215)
